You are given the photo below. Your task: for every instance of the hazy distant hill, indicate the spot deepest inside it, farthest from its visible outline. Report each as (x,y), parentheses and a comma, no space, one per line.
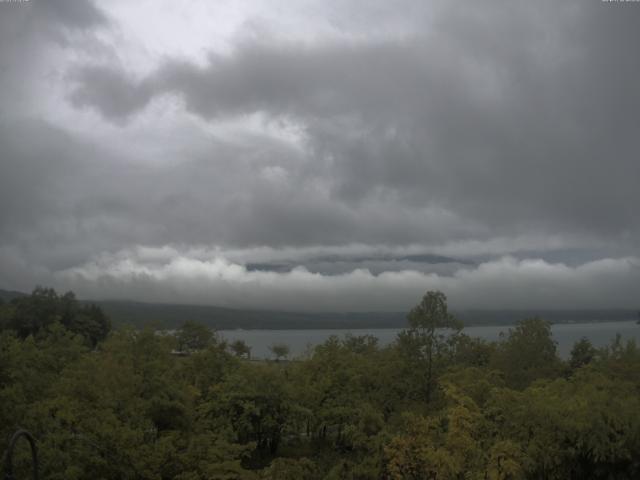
(8,295)
(172,315)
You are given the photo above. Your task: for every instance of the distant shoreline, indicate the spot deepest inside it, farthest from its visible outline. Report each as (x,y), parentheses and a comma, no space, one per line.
(347,329)
(599,334)
(220,318)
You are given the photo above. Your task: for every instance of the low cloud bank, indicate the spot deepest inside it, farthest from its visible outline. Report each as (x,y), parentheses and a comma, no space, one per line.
(169,275)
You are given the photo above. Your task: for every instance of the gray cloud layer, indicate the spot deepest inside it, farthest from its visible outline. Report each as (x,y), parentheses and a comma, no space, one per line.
(528,116)
(490,133)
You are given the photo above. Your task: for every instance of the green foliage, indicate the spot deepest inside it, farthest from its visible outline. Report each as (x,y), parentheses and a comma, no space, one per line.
(527,353)
(280,350)
(432,313)
(584,427)
(429,339)
(193,336)
(240,349)
(128,407)
(291,469)
(471,351)
(253,403)
(441,446)
(29,315)
(582,353)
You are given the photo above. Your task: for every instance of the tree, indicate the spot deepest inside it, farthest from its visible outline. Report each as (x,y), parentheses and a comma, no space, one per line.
(6,315)
(280,350)
(240,349)
(255,403)
(90,322)
(193,336)
(290,469)
(582,353)
(442,446)
(425,336)
(361,344)
(472,351)
(527,353)
(31,314)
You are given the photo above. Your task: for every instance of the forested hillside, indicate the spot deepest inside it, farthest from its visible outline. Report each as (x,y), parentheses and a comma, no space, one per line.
(171,316)
(8,295)
(133,404)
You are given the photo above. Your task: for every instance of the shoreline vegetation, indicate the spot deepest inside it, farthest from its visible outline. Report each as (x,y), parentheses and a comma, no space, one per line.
(127,403)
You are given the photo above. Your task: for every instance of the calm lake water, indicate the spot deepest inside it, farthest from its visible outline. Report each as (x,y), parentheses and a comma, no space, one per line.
(301,341)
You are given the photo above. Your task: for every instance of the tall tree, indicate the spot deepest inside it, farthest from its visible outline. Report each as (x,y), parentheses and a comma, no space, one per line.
(427,335)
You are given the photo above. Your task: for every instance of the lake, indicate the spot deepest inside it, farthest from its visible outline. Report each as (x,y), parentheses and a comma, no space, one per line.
(300,341)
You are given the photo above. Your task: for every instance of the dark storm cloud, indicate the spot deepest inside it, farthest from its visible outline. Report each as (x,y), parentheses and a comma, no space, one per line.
(62,200)
(518,116)
(73,13)
(25,26)
(36,14)
(117,95)
(451,132)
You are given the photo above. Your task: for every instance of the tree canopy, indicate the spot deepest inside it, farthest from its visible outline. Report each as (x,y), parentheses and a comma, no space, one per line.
(127,407)
(30,314)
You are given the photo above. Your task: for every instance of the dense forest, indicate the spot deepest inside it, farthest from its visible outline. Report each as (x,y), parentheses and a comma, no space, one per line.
(131,403)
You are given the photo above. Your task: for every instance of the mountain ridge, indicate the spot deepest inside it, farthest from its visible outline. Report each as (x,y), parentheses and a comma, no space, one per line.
(172,315)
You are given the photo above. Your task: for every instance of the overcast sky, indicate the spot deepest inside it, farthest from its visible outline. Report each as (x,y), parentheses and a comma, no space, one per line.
(316,155)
